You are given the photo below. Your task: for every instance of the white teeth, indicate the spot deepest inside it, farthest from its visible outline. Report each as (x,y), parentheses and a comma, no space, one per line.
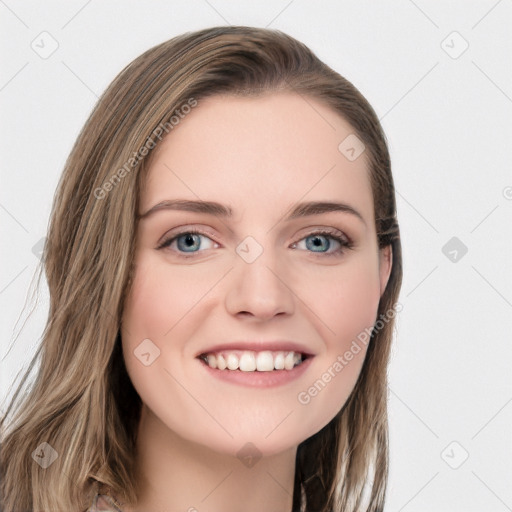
(265,361)
(232,362)
(221,362)
(279,361)
(212,361)
(288,361)
(250,361)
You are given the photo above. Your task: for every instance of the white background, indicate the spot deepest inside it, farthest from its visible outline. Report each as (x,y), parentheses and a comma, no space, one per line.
(449,125)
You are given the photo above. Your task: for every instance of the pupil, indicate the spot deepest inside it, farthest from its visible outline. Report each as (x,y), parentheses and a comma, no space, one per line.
(188,241)
(317,242)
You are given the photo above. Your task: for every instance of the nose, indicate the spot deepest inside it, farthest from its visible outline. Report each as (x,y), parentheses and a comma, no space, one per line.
(260,290)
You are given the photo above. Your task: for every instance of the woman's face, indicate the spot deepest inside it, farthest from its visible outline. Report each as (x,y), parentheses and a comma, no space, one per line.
(267,285)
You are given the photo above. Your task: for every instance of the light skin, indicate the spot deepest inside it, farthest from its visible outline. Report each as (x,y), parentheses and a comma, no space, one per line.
(260,156)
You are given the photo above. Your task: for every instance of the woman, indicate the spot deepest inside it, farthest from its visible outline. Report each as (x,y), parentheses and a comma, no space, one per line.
(224,265)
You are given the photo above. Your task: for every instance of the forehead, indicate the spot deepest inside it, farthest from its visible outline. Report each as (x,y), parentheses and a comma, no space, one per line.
(272,150)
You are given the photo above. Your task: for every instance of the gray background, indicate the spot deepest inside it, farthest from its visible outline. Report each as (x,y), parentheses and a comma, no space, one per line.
(446,110)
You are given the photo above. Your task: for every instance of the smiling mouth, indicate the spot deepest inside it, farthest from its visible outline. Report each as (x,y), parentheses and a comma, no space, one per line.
(252,361)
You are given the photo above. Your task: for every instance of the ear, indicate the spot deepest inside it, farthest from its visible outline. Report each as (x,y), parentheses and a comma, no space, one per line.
(385,265)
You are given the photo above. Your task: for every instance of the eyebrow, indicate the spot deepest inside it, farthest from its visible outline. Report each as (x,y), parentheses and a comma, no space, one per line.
(300,210)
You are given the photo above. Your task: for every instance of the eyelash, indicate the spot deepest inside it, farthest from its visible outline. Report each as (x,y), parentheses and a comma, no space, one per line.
(345,243)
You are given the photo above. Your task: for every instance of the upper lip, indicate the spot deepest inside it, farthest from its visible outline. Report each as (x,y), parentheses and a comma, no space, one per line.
(259,346)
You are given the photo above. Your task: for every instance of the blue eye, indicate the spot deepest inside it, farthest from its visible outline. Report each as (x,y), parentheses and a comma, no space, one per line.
(321,243)
(317,243)
(190,242)
(187,242)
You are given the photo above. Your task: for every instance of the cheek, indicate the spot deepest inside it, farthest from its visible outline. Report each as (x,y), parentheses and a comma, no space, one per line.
(165,306)
(347,302)
(151,310)
(158,318)
(160,297)
(348,310)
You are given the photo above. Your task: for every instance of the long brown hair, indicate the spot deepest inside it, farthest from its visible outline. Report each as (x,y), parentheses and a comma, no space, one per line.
(82,402)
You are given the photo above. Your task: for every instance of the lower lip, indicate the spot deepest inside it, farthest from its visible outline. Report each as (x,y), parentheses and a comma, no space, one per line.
(259,379)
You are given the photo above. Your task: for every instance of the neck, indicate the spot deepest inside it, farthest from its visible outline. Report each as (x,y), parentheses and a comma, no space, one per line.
(175,474)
